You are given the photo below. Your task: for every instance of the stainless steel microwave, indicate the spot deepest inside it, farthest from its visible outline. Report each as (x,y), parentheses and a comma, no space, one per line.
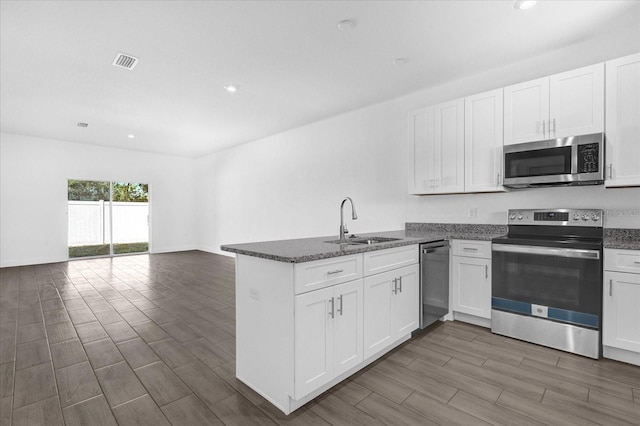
(576,160)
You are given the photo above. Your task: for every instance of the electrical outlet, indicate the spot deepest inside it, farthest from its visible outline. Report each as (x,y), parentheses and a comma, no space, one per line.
(473,212)
(254,293)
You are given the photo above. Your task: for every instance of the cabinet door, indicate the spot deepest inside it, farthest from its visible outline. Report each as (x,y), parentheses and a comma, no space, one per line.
(406,301)
(526,111)
(347,326)
(313,340)
(421,151)
(449,147)
(623,125)
(577,102)
(378,293)
(621,312)
(471,278)
(483,118)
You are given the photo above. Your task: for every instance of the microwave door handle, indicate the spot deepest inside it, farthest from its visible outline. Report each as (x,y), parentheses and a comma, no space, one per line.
(574,159)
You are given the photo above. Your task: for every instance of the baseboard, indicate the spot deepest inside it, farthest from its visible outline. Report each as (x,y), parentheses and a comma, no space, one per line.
(472,319)
(621,355)
(33,261)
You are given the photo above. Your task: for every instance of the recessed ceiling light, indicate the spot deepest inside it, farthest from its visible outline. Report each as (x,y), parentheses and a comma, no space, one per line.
(524,4)
(346,25)
(400,61)
(131,136)
(83,124)
(231,88)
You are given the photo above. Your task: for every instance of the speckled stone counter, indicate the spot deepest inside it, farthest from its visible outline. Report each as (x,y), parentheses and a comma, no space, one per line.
(619,238)
(458,231)
(308,249)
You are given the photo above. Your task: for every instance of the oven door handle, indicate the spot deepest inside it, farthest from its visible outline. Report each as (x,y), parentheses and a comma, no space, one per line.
(547,251)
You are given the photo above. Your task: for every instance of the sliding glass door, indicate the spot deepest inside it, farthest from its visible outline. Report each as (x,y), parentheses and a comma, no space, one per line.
(107,218)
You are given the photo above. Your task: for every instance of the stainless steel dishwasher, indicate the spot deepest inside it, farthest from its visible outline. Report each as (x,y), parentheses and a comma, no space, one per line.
(434,282)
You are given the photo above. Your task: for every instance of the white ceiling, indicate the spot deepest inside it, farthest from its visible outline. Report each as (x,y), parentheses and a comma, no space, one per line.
(291,62)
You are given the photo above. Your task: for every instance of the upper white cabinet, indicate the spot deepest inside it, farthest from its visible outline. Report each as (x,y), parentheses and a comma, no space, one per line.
(526,109)
(483,130)
(623,125)
(436,137)
(565,104)
(421,151)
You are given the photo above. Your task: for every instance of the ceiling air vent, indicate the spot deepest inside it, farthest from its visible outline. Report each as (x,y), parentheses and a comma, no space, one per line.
(83,124)
(125,61)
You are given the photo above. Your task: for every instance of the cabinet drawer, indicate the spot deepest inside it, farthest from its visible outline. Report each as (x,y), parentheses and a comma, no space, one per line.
(379,261)
(323,273)
(622,260)
(471,248)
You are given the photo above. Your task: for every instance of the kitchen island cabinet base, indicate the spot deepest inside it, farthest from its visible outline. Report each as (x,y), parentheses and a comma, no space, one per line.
(273,317)
(287,404)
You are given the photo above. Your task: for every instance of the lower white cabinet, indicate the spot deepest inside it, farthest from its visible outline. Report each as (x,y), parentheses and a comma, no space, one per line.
(328,334)
(471,281)
(302,328)
(391,307)
(621,306)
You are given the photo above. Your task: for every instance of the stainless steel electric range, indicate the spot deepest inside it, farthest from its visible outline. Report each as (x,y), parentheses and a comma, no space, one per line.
(547,279)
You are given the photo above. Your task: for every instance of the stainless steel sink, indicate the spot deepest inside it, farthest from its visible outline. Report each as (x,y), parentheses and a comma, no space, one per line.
(363,240)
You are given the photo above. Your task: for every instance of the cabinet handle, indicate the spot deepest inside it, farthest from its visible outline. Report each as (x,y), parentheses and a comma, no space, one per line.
(544,127)
(486,271)
(337,271)
(498,179)
(469,249)
(610,288)
(610,170)
(395,286)
(400,281)
(637,263)
(331,312)
(554,127)
(340,308)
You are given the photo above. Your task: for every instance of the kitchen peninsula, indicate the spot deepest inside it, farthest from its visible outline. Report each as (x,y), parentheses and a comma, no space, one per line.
(310,312)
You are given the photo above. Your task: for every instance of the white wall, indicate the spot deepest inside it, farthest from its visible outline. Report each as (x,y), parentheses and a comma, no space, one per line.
(33,195)
(290,185)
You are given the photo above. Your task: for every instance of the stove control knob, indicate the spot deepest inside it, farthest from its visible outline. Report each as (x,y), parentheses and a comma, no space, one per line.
(576,217)
(512,216)
(519,217)
(595,217)
(585,217)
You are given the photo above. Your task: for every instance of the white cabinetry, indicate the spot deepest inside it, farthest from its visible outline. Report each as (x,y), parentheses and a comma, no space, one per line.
(328,334)
(391,307)
(471,281)
(621,302)
(301,328)
(483,129)
(623,125)
(565,104)
(436,137)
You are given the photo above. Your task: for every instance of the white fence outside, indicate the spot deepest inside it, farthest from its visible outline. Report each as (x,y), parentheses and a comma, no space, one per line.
(89,222)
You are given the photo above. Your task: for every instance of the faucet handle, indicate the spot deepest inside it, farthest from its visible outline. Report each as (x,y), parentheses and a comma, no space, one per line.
(344,229)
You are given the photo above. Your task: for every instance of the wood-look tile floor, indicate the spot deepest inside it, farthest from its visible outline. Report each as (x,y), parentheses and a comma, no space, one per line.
(149,340)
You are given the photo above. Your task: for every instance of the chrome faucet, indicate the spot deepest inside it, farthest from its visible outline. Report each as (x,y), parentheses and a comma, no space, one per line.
(354,216)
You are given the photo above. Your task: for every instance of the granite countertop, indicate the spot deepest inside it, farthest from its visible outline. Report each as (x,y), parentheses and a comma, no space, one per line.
(308,249)
(619,238)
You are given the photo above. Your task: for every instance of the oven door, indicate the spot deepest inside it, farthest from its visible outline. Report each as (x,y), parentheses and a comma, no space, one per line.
(558,283)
